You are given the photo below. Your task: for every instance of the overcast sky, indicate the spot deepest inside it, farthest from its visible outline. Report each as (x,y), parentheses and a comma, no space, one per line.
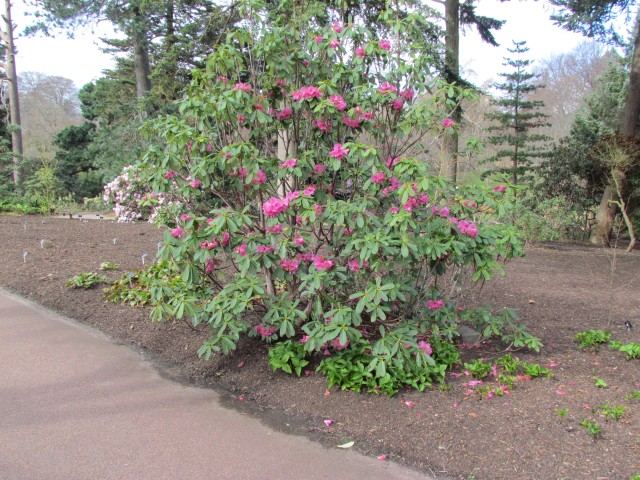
(81,60)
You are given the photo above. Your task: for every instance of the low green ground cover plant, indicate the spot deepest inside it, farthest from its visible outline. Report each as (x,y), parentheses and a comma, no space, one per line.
(592,339)
(86,280)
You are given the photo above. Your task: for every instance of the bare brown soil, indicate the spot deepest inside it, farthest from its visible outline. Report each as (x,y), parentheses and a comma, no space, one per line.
(558,289)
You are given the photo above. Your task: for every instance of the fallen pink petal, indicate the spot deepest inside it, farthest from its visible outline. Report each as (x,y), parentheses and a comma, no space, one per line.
(382,457)
(328,423)
(408,403)
(551,364)
(241,364)
(456,405)
(561,392)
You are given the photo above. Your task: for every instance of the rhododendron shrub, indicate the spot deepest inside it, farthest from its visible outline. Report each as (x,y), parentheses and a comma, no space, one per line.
(134,200)
(330,230)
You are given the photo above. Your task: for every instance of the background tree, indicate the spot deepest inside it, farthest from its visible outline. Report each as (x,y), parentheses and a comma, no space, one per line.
(517,116)
(594,18)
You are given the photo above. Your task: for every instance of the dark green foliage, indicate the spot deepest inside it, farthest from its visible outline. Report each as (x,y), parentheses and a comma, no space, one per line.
(76,166)
(593,339)
(516,117)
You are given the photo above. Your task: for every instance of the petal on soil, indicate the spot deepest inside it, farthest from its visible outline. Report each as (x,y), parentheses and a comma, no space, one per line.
(240,397)
(382,457)
(561,392)
(241,364)
(328,422)
(551,364)
(408,403)
(327,393)
(346,445)
(456,405)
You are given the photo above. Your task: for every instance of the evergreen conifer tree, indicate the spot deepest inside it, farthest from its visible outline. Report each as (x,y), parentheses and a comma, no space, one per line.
(516,118)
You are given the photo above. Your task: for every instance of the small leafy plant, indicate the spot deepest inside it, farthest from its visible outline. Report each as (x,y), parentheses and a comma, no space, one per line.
(600,383)
(631,349)
(592,427)
(633,394)
(288,356)
(612,412)
(108,266)
(562,412)
(592,339)
(86,280)
(478,368)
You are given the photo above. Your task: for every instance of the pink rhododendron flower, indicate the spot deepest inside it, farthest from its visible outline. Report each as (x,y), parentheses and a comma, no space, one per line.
(407,94)
(384,44)
(360,52)
(354,265)
(339,346)
(257,106)
(317,209)
(351,122)
(284,114)
(499,188)
(274,207)
(265,249)
(467,228)
(391,162)
(170,174)
(276,229)
(319,169)
(321,125)
(309,191)
(195,183)
(242,250)
(177,232)
(289,265)
(444,212)
(243,87)
(337,27)
(334,43)
(434,305)
(368,116)
(290,197)
(322,263)
(319,39)
(339,152)
(475,383)
(299,241)
(225,239)
(290,163)
(398,104)
(185,217)
(386,87)
(223,79)
(241,118)
(411,204)
(347,231)
(264,331)
(307,93)
(377,177)
(394,210)
(210,265)
(259,178)
(304,339)
(338,102)
(447,122)
(425,347)
(306,63)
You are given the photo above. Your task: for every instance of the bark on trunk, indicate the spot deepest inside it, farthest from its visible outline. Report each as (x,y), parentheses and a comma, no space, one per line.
(449,167)
(605,216)
(14,97)
(141,67)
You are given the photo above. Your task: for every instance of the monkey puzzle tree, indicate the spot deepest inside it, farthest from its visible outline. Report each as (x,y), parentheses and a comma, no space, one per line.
(517,116)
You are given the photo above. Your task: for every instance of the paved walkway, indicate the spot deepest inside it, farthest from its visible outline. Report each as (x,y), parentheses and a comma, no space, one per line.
(74,405)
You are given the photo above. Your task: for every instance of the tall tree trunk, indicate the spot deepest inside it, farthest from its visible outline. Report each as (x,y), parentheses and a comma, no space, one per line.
(607,210)
(449,168)
(142,67)
(14,97)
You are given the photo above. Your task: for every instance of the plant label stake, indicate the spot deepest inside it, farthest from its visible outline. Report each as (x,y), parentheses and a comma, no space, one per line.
(24,256)
(115,240)
(42,243)
(143,257)
(24,225)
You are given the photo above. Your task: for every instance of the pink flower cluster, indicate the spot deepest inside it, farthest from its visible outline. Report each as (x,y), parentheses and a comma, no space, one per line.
(290,163)
(275,206)
(289,265)
(434,305)
(384,44)
(306,93)
(499,188)
(243,87)
(443,212)
(425,347)
(322,263)
(467,228)
(338,102)
(351,122)
(322,125)
(447,123)
(284,114)
(339,152)
(387,88)
(377,177)
(264,331)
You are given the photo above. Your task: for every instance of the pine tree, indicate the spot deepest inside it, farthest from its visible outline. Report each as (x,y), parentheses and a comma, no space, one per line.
(517,117)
